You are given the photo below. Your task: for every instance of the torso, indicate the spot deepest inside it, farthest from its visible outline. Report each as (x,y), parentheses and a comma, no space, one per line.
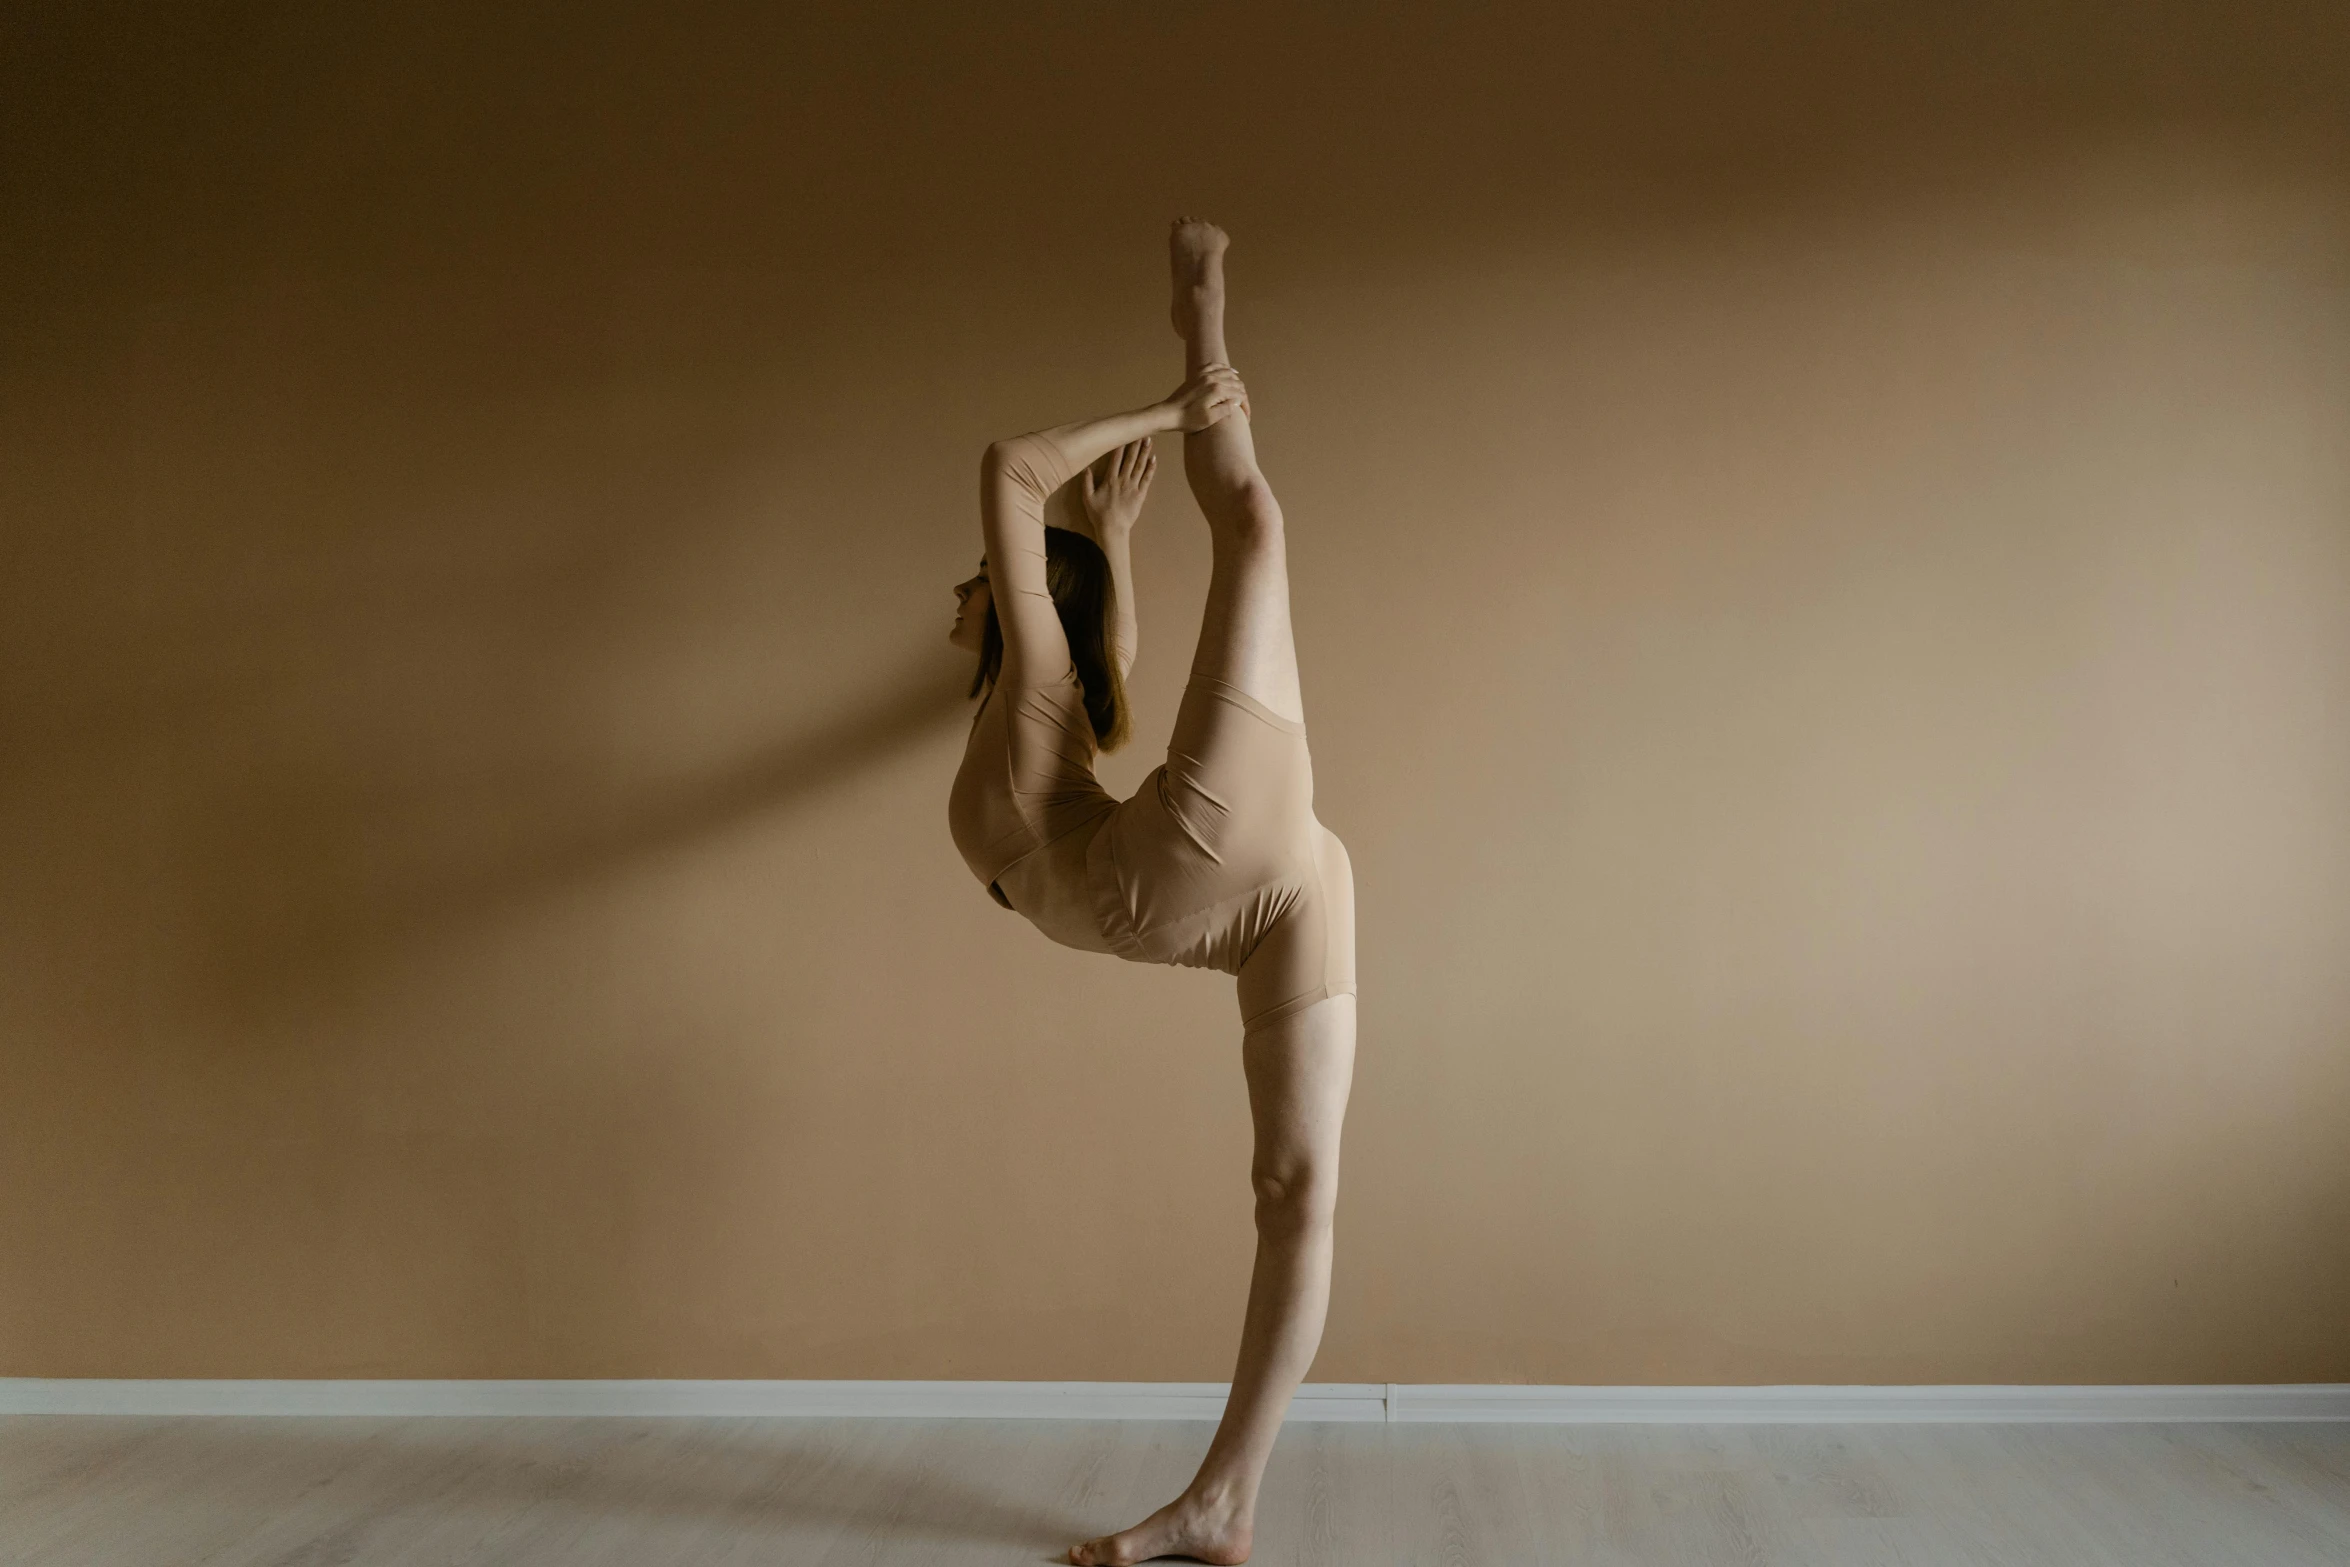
(1050,888)
(1025,806)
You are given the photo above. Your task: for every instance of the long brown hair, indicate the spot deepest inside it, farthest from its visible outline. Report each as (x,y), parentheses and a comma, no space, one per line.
(1078,575)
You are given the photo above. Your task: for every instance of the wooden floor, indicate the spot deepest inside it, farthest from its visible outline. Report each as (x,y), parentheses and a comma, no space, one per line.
(320,1493)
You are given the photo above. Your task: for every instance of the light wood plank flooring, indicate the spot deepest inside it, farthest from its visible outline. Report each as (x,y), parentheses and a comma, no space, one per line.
(518,1493)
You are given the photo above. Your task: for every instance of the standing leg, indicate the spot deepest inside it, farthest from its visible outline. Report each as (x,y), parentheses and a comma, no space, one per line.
(1299,1071)
(1244,638)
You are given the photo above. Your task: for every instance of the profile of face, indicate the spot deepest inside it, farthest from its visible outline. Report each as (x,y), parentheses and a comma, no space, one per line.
(972,598)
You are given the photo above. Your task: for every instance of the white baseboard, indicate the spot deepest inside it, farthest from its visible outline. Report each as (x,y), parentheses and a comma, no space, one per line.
(1961,1403)
(1387,1401)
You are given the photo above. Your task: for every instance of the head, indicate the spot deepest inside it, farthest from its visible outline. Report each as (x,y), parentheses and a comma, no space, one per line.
(1078,575)
(974,612)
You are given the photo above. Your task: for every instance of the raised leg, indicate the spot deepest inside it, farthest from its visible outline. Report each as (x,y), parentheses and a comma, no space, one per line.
(1299,1072)
(1244,637)
(1299,1068)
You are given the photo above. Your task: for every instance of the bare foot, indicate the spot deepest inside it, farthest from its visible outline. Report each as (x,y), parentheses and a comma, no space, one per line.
(1184,1527)
(1195,254)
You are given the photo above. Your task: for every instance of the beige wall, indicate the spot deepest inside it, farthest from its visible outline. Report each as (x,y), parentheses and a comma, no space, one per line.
(1822,565)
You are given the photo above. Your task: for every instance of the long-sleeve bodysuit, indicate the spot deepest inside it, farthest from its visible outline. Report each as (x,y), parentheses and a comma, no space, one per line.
(1216,862)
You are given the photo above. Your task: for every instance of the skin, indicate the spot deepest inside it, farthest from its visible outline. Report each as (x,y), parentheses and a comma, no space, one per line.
(1113,490)
(1113,499)
(1299,1070)
(972,599)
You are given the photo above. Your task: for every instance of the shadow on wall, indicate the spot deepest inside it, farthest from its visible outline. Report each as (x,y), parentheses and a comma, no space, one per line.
(271,922)
(917,703)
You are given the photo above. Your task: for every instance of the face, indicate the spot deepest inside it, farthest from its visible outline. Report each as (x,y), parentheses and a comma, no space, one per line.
(971,601)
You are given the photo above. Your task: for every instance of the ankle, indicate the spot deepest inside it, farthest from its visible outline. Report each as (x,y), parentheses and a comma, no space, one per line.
(1223,1496)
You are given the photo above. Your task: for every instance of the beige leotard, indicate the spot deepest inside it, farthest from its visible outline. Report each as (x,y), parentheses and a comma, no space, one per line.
(1216,862)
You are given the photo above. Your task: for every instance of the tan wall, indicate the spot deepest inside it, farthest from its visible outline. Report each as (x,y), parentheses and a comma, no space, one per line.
(1822,563)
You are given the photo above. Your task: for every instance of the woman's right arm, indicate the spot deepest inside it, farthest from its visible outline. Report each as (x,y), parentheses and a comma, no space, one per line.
(1113,504)
(1018,475)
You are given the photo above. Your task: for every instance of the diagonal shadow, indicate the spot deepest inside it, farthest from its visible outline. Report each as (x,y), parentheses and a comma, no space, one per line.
(921,701)
(286,910)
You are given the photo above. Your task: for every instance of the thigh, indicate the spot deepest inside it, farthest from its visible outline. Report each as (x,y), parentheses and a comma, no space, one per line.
(1308,954)
(1245,637)
(1239,781)
(1300,1071)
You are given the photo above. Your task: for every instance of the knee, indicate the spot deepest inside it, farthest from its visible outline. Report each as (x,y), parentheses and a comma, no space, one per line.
(1295,1195)
(1248,512)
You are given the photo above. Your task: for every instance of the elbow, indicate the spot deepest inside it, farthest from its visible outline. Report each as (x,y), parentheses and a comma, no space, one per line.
(1013,463)
(1007,461)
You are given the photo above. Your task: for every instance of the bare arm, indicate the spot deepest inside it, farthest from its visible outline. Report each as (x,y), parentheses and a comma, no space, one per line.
(1114,489)
(1126,631)
(1014,481)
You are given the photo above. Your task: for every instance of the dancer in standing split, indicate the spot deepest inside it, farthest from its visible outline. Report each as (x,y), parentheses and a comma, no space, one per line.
(1216,862)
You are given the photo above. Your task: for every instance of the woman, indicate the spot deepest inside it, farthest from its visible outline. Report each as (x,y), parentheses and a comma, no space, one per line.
(1216,862)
